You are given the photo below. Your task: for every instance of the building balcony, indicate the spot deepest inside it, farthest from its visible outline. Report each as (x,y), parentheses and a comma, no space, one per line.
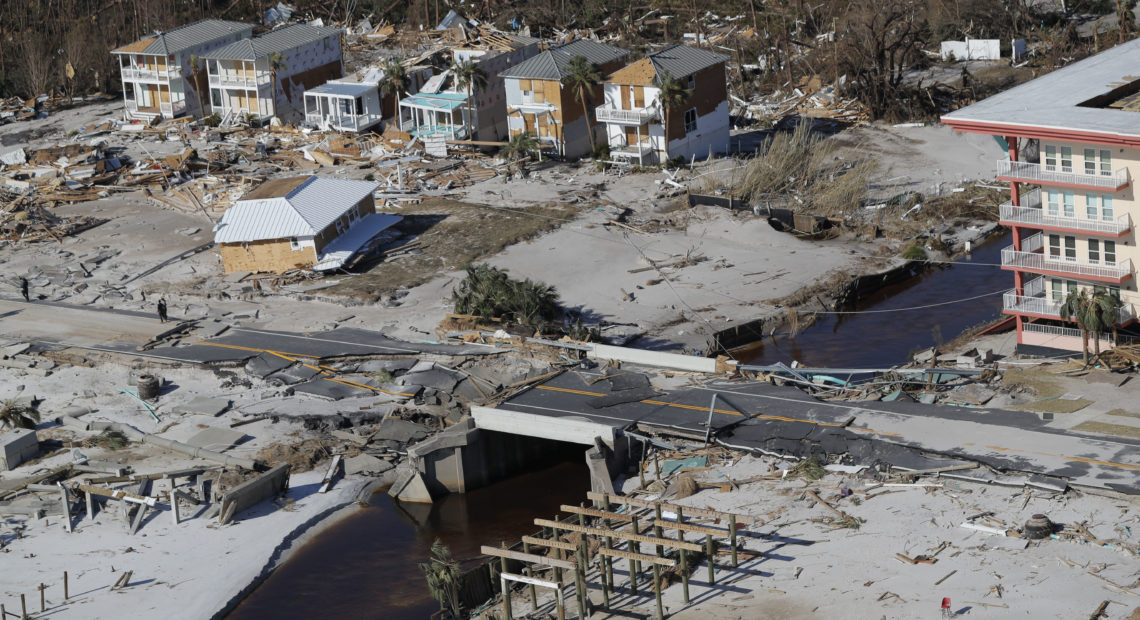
(131,74)
(1025,172)
(1030,213)
(1032,258)
(1035,300)
(637,116)
(232,80)
(350,122)
(1068,338)
(640,149)
(165,109)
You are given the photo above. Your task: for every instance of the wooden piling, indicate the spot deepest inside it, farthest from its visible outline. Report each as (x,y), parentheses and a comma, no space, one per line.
(65,596)
(732,537)
(506,590)
(635,566)
(657,590)
(709,553)
(530,573)
(657,526)
(23,608)
(685,574)
(43,602)
(607,576)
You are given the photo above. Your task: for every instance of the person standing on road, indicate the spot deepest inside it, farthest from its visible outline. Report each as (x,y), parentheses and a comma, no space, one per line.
(24,288)
(162,309)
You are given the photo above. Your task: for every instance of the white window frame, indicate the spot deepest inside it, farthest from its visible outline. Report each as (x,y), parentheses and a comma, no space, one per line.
(1094,251)
(1070,248)
(1109,252)
(1092,206)
(1106,162)
(1053,202)
(1107,213)
(1050,157)
(1068,203)
(1066,159)
(1054,243)
(295,245)
(690,126)
(1090,161)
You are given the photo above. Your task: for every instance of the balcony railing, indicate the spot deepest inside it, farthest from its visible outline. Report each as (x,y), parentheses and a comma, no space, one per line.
(1030,259)
(639,116)
(1036,300)
(1026,172)
(641,149)
(1073,332)
(349,122)
(165,109)
(147,75)
(232,80)
(1030,213)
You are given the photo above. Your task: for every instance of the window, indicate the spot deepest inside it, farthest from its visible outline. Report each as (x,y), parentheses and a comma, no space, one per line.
(216,97)
(1110,252)
(692,83)
(1057,290)
(1094,251)
(1106,163)
(1055,247)
(1090,161)
(1070,209)
(690,120)
(339,226)
(1053,201)
(1050,157)
(359,106)
(1091,209)
(1070,248)
(1066,159)
(294,245)
(1106,208)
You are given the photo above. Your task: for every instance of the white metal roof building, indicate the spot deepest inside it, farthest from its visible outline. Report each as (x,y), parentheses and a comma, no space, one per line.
(302,211)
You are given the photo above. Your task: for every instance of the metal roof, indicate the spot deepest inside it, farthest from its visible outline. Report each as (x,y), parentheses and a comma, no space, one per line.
(340,89)
(344,247)
(188,36)
(303,212)
(551,64)
(1053,101)
(682,60)
(280,40)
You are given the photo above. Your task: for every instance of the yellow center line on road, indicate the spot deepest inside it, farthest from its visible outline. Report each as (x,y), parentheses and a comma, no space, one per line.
(724,411)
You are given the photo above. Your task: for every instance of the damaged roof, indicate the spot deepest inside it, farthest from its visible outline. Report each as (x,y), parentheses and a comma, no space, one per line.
(291,207)
(279,40)
(677,60)
(184,37)
(552,64)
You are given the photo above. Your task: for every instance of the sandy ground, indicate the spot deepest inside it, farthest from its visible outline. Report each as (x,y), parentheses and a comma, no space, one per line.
(809,568)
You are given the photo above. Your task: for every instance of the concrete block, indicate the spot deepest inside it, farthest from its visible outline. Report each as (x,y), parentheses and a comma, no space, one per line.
(415,491)
(17,446)
(252,492)
(366,464)
(216,439)
(571,429)
(201,405)
(401,431)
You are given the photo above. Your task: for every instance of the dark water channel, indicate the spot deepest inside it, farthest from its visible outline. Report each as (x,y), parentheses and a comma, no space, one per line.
(880,332)
(366,565)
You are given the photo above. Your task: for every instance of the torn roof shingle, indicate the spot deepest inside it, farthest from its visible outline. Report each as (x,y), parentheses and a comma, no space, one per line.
(551,64)
(279,40)
(283,211)
(185,37)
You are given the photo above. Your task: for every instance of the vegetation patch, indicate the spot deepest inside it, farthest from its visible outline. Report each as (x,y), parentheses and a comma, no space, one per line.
(1109,429)
(1042,383)
(1122,413)
(1055,405)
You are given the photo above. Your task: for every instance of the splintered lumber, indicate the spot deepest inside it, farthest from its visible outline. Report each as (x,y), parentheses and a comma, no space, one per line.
(547,542)
(180,473)
(597,531)
(527,557)
(818,500)
(939,470)
(66,469)
(114,494)
(637,557)
(689,511)
(592,512)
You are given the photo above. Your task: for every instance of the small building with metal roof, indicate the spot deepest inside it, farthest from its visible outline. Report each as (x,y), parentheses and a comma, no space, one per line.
(305,222)
(267,75)
(355,102)
(158,76)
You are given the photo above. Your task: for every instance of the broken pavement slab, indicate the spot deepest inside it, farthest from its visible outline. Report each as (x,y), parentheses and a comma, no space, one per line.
(204,405)
(366,464)
(216,439)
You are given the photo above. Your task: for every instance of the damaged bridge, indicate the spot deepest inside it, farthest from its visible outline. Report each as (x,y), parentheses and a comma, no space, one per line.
(1015,447)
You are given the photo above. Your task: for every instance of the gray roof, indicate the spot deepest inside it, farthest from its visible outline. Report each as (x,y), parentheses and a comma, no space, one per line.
(302,212)
(682,60)
(192,35)
(341,89)
(551,64)
(1053,100)
(279,40)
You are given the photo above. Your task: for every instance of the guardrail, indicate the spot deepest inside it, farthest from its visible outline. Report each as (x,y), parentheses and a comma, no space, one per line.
(1036,173)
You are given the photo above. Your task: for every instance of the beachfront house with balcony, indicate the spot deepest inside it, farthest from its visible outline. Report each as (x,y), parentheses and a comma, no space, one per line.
(539,103)
(355,102)
(439,109)
(304,222)
(267,75)
(1073,137)
(635,119)
(158,79)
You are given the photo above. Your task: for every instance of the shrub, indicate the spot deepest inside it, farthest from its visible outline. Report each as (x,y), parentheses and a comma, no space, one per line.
(15,415)
(212,120)
(914,252)
(489,293)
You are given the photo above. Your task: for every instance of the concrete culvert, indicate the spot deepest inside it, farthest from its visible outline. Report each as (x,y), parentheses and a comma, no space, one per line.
(1037,527)
(148,386)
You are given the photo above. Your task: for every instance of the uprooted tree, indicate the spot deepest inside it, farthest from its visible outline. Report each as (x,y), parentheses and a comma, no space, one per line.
(489,293)
(443,574)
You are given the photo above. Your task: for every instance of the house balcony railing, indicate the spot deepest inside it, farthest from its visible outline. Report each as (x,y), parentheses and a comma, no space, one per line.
(1032,258)
(348,122)
(637,116)
(165,109)
(1026,172)
(231,80)
(1031,213)
(1106,340)
(132,74)
(640,149)
(1036,300)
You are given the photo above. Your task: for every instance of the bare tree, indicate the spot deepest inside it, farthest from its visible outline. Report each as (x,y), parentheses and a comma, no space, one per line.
(77,46)
(36,67)
(882,40)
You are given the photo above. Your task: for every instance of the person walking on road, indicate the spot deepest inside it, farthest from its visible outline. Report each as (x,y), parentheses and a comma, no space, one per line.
(162,309)
(24,288)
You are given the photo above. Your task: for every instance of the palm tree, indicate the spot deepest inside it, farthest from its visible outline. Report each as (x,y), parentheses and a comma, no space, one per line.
(15,415)
(671,93)
(395,79)
(1094,313)
(583,77)
(276,63)
(471,77)
(195,69)
(521,146)
(443,575)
